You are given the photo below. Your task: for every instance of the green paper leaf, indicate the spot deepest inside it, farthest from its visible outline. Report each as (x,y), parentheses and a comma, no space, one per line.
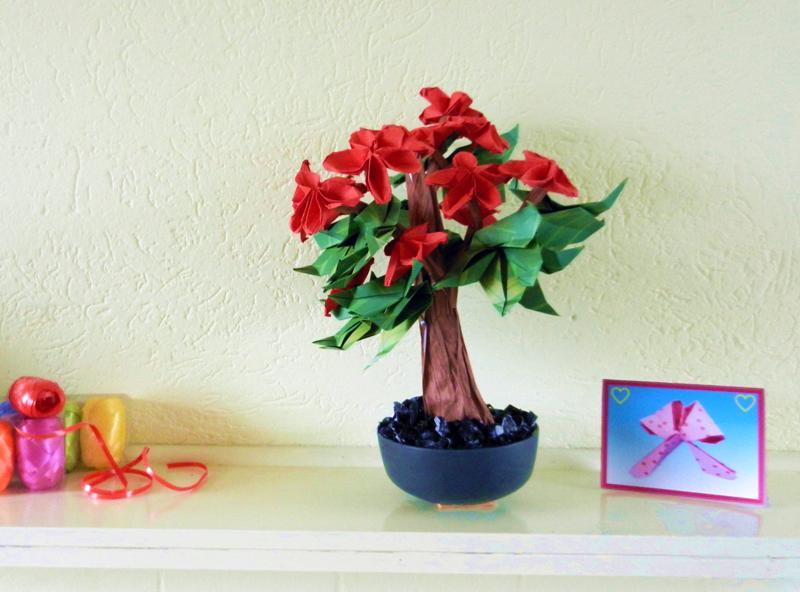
(335,235)
(533,299)
(560,229)
(477,267)
(598,207)
(348,268)
(524,264)
(403,317)
(549,205)
(486,157)
(415,304)
(415,300)
(468,269)
(492,283)
(326,263)
(503,288)
(355,330)
(514,188)
(416,268)
(377,215)
(389,339)
(375,226)
(516,230)
(370,298)
(557,260)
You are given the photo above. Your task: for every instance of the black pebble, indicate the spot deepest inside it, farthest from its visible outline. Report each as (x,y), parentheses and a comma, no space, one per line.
(409,425)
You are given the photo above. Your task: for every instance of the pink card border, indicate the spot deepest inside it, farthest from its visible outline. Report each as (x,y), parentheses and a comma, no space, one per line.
(758,392)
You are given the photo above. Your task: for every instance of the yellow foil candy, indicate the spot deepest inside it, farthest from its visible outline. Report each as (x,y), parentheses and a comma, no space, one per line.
(108,414)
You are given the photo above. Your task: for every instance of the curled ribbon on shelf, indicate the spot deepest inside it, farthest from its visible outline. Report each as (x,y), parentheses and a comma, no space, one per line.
(677,423)
(91,482)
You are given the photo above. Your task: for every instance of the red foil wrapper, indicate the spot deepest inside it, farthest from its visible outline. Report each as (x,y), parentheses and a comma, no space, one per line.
(36,397)
(40,461)
(6,454)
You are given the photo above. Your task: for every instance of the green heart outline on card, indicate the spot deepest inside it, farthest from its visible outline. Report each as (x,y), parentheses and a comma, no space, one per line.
(745,402)
(624,394)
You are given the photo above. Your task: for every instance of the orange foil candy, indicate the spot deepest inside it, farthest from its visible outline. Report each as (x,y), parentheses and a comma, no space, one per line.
(108,415)
(6,454)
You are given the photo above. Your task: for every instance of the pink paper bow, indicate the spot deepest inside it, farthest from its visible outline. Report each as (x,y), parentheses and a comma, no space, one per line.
(676,423)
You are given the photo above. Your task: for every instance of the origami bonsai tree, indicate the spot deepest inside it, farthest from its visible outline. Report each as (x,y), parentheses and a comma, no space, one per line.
(457,155)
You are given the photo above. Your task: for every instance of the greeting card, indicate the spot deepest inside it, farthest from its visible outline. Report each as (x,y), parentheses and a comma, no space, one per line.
(684,439)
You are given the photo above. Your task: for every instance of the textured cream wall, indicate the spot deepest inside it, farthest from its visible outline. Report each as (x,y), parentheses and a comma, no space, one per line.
(147,154)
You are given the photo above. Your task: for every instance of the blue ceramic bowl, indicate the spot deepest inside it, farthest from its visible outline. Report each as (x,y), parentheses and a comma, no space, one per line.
(473,476)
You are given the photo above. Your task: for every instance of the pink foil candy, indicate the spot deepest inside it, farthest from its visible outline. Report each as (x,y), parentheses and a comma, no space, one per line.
(40,462)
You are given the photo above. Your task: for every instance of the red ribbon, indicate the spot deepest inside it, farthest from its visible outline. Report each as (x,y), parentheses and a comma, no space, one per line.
(91,483)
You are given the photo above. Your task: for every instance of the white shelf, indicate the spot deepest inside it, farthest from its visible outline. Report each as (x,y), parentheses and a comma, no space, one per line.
(334,510)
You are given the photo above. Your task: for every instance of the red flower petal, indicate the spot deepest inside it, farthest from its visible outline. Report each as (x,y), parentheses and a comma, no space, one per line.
(341,192)
(378,181)
(316,204)
(488,137)
(438,100)
(305,177)
(492,172)
(363,138)
(399,159)
(514,168)
(459,104)
(391,136)
(443,177)
(415,243)
(465,160)
(348,162)
(486,193)
(540,172)
(433,135)
(309,216)
(562,185)
(458,195)
(443,105)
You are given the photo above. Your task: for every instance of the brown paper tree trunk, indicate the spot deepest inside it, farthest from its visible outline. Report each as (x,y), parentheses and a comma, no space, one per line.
(448,385)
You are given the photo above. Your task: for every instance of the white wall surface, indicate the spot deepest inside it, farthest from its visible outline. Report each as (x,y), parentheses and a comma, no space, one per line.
(148,150)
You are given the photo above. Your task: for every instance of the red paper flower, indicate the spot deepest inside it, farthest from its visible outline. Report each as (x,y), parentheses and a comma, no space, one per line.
(453,114)
(415,243)
(359,278)
(316,204)
(467,180)
(480,131)
(433,135)
(374,152)
(444,106)
(539,172)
